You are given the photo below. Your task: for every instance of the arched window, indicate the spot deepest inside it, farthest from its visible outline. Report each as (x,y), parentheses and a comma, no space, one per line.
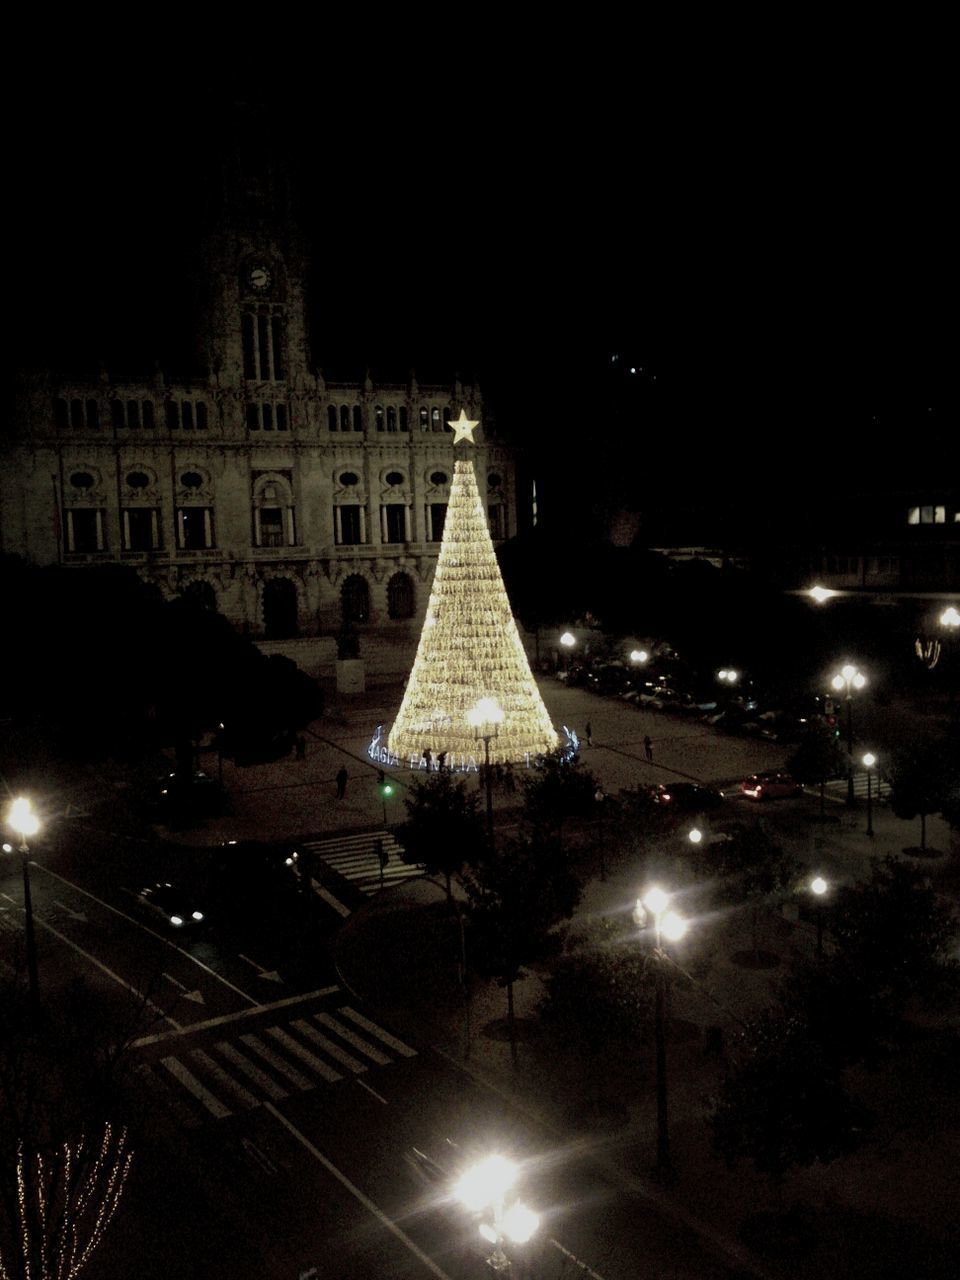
(400,596)
(355,599)
(331,417)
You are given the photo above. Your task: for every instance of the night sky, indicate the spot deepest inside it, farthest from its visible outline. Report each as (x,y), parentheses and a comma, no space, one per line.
(779,272)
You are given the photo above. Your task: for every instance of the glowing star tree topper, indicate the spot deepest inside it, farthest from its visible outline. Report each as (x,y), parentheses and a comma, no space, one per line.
(470,650)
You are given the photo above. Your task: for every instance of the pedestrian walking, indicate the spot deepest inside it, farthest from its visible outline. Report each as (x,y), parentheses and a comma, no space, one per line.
(648,748)
(341,782)
(427,758)
(383,857)
(442,761)
(589,734)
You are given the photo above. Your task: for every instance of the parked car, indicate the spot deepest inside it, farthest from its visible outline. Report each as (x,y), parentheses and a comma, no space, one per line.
(168,905)
(769,786)
(687,797)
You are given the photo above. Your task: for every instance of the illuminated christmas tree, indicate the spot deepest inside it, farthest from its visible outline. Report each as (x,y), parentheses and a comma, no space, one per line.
(471,678)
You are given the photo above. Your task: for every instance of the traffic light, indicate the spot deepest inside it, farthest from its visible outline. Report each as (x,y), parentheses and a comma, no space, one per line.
(385,787)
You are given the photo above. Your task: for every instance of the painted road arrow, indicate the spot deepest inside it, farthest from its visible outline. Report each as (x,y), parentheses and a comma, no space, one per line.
(77,915)
(195,996)
(269,975)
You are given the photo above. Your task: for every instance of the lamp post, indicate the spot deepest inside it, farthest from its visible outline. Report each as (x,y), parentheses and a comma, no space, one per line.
(667,924)
(818,887)
(598,798)
(483,1188)
(485,718)
(869,760)
(847,679)
(26,823)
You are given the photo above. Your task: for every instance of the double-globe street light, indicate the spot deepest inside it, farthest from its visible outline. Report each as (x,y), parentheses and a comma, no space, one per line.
(485,719)
(670,926)
(483,1188)
(846,680)
(25,822)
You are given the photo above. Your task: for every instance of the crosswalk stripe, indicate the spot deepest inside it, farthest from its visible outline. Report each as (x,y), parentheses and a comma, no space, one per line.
(199,1091)
(168,1098)
(397,1045)
(371,1051)
(300,1051)
(279,1064)
(224,1078)
(339,1055)
(252,1071)
(356,858)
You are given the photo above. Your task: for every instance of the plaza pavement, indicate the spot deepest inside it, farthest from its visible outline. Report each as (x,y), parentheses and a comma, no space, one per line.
(293,798)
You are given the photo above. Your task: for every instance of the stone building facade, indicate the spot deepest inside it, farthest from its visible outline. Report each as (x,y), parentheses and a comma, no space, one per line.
(288,502)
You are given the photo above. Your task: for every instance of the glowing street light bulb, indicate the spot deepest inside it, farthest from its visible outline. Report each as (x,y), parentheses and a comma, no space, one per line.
(568,639)
(869,760)
(818,885)
(859,680)
(694,835)
(520,1223)
(638,655)
(485,1183)
(673,927)
(950,617)
(656,900)
(837,683)
(820,594)
(22,818)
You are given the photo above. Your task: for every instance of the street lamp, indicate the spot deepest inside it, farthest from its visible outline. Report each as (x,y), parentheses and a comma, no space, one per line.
(728,676)
(483,1188)
(818,887)
(820,594)
(638,656)
(694,835)
(24,821)
(869,760)
(847,679)
(669,925)
(950,617)
(485,719)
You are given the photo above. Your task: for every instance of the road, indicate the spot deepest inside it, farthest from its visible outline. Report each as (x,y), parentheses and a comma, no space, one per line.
(274,1117)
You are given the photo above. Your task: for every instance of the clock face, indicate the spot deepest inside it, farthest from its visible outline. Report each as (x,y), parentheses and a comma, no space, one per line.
(258,278)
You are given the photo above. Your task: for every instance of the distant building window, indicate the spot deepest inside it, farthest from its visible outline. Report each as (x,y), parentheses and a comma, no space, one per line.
(391,417)
(140,529)
(378,415)
(436,514)
(137,479)
(927,515)
(424,420)
(344,417)
(84,530)
(82,480)
(348,478)
(271,527)
(249,358)
(194,528)
(355,599)
(331,417)
(436,421)
(394,477)
(494,480)
(191,480)
(348,526)
(393,522)
(438,477)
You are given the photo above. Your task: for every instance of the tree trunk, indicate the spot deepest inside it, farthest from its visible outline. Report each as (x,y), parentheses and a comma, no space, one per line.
(923,831)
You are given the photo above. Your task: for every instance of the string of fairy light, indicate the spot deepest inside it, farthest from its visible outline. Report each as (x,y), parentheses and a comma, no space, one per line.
(65,1204)
(470,651)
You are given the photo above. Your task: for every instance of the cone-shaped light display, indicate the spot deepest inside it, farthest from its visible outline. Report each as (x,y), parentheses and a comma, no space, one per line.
(470,665)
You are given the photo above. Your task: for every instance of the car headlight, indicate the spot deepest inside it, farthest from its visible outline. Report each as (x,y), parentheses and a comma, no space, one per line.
(198,915)
(177,920)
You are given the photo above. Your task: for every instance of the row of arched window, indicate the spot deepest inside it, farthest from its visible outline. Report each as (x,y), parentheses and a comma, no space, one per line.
(130,414)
